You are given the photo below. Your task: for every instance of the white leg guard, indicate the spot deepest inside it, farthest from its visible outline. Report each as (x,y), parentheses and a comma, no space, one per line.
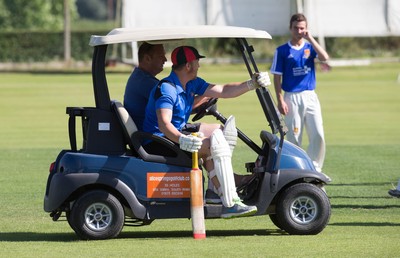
(222,156)
(230,132)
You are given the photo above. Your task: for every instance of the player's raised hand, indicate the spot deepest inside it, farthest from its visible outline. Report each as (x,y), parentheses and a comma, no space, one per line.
(259,80)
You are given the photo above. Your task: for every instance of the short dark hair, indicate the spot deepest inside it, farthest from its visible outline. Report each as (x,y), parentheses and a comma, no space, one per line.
(298,17)
(145,49)
(178,67)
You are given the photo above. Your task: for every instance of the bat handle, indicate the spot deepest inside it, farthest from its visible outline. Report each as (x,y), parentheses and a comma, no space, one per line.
(195,160)
(195,157)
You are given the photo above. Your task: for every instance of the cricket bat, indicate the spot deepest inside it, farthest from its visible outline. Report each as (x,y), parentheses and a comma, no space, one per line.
(196,199)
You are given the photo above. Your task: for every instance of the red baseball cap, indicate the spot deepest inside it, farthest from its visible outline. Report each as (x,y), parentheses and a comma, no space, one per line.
(184,54)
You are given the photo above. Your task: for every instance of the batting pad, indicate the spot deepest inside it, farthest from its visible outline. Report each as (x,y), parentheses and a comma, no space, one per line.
(222,157)
(230,132)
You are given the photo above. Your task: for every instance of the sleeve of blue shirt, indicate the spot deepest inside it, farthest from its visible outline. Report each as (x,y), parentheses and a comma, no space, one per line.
(277,63)
(168,96)
(202,86)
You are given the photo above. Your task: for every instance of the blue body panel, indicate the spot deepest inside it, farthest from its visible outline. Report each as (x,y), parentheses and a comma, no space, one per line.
(293,157)
(130,170)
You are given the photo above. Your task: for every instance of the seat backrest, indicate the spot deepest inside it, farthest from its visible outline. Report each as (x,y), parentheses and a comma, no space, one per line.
(128,125)
(134,139)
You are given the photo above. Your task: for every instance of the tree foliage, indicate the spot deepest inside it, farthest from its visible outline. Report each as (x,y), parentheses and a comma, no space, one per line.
(33,14)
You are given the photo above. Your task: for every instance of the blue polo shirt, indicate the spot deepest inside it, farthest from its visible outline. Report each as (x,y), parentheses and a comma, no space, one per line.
(296,65)
(174,97)
(137,93)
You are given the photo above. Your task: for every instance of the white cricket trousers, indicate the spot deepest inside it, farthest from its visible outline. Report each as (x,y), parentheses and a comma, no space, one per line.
(305,113)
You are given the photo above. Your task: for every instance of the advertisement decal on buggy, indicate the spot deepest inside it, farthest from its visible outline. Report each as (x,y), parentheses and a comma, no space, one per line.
(168,185)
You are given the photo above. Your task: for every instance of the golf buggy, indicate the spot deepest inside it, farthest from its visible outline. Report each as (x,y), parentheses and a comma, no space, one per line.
(112,181)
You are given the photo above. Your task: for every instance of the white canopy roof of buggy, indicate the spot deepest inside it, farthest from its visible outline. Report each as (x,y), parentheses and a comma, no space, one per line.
(122,35)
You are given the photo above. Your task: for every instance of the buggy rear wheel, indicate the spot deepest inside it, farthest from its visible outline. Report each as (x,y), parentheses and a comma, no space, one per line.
(97,215)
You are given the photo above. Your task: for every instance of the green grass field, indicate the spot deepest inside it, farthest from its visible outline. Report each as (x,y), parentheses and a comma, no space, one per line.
(361,108)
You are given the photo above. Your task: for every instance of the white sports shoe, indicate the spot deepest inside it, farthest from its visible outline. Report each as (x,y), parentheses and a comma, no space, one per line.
(238,210)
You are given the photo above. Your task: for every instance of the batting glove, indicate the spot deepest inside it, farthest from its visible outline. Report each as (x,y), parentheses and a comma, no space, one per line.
(259,80)
(190,143)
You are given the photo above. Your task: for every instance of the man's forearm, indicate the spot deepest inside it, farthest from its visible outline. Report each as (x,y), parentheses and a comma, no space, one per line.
(322,54)
(278,87)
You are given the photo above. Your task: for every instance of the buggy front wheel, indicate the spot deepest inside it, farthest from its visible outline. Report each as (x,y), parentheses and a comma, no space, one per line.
(303,209)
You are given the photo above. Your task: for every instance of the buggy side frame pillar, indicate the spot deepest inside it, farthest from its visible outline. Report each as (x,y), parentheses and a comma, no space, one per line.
(100,87)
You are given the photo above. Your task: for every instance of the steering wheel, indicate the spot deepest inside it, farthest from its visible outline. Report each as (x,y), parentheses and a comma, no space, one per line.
(204,109)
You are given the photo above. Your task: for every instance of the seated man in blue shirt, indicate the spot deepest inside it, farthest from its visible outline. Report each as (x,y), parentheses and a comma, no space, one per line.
(142,80)
(169,108)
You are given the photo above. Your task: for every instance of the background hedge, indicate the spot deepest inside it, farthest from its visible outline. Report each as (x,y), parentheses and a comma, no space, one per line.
(43,46)
(35,46)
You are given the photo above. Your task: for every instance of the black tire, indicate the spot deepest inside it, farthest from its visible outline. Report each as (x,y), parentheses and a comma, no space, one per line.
(97,215)
(303,209)
(274,219)
(68,216)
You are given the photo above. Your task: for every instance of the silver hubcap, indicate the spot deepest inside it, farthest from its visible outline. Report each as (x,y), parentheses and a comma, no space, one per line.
(98,216)
(303,210)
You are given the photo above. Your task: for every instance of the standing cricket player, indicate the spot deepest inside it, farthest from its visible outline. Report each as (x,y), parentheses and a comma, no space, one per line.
(294,73)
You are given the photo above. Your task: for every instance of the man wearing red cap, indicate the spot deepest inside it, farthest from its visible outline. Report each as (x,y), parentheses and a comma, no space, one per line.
(169,108)
(143,79)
